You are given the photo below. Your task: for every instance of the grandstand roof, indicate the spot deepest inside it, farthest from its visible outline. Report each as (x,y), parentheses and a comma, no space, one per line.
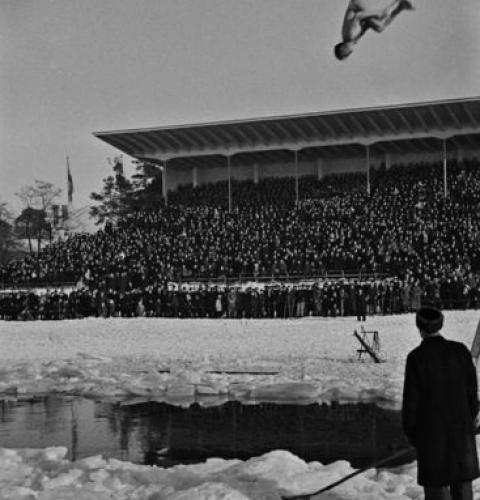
(406,128)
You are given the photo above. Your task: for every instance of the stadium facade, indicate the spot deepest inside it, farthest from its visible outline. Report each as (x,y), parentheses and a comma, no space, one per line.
(306,144)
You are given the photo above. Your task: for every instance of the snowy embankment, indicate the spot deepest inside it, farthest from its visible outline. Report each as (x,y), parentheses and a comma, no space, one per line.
(311,359)
(308,360)
(45,474)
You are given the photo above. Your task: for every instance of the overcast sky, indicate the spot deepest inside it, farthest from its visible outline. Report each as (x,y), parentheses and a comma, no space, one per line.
(71,67)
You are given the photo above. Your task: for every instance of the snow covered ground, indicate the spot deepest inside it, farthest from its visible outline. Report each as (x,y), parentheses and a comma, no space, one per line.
(45,474)
(315,360)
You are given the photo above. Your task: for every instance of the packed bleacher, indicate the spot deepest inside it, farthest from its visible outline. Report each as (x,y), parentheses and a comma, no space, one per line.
(405,235)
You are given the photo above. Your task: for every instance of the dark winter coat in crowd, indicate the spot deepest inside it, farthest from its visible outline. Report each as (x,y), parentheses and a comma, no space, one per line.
(439,408)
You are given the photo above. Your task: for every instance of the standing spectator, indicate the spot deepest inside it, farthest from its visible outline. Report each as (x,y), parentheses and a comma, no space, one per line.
(261,303)
(361,304)
(341,300)
(232,302)
(439,409)
(317,300)
(416,296)
(110,304)
(300,302)
(290,302)
(332,300)
(406,294)
(255,303)
(218,306)
(140,310)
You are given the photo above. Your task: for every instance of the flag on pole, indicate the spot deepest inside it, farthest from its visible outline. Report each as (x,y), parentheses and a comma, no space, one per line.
(70,182)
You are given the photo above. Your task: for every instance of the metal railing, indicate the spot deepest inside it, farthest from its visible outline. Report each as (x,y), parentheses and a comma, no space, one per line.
(29,285)
(333,275)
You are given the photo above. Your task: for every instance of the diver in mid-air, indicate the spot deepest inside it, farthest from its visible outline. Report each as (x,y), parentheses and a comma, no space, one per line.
(361,15)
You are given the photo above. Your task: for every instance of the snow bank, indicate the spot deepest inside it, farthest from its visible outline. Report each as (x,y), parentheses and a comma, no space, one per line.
(45,474)
(172,360)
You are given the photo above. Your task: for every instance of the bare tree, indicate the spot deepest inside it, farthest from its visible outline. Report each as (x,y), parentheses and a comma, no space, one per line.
(44,194)
(37,200)
(8,241)
(5,213)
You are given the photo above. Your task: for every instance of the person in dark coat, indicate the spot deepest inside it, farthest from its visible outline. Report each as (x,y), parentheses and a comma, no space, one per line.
(361,304)
(439,409)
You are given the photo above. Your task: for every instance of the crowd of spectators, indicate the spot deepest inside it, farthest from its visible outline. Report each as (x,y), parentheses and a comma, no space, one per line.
(405,228)
(345,297)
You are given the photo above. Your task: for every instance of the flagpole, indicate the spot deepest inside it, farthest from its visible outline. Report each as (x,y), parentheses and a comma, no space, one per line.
(69,186)
(70,189)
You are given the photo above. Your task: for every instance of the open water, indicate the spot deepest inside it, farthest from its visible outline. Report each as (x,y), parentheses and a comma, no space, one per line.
(148,432)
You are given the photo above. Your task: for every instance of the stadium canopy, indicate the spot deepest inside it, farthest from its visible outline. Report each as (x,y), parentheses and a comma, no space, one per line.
(404,128)
(423,127)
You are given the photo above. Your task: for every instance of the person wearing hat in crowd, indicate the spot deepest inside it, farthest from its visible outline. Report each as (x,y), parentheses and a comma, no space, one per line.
(440,406)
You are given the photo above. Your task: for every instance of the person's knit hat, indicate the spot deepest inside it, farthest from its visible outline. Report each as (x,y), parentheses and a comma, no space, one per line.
(429,319)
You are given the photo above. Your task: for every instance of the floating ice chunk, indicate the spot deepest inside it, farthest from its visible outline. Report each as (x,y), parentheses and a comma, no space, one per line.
(275,465)
(215,400)
(77,492)
(88,356)
(65,479)
(180,389)
(17,493)
(8,454)
(188,375)
(55,453)
(70,372)
(209,491)
(12,469)
(135,401)
(98,476)
(332,394)
(240,391)
(212,466)
(207,389)
(286,391)
(89,463)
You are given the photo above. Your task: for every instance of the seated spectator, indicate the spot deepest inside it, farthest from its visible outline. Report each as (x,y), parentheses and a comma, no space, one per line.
(405,230)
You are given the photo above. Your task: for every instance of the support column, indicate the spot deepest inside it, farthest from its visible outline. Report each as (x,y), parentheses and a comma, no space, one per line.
(367,160)
(164,183)
(319,169)
(296,177)
(194,177)
(255,173)
(444,153)
(229,183)
(388,161)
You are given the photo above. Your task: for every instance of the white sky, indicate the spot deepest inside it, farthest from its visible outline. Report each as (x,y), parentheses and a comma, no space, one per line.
(71,67)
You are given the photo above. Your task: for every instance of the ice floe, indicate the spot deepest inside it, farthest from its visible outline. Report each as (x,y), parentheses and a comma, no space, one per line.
(306,360)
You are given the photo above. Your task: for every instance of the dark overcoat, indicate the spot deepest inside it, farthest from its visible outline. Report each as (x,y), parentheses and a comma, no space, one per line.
(439,408)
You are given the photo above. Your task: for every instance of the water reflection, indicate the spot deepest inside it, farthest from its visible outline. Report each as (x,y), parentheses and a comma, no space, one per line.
(163,434)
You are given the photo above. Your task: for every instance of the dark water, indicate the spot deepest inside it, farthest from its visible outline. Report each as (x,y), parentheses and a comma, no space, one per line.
(159,433)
